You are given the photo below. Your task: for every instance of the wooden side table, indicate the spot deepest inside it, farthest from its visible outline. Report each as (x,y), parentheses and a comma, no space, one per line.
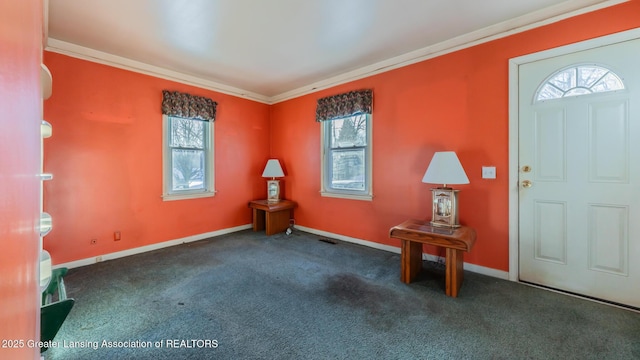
(414,233)
(273,217)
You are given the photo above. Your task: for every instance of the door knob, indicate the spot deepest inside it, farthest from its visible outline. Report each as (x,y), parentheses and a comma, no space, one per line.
(527,184)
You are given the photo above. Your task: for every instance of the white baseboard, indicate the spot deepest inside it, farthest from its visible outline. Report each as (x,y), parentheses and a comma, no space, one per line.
(139,250)
(467,266)
(367,243)
(143,249)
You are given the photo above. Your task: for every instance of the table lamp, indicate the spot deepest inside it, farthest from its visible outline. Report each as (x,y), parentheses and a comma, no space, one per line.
(273,170)
(445,168)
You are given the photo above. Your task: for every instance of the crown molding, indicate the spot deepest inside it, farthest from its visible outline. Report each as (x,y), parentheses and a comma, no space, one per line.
(520,24)
(517,25)
(85,53)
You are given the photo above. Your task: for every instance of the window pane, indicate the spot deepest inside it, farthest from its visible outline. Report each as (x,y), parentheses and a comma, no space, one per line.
(188,169)
(588,75)
(577,91)
(348,169)
(348,132)
(565,80)
(187,133)
(609,83)
(549,92)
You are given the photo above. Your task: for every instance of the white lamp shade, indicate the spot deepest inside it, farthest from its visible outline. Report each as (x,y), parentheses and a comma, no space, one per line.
(273,169)
(445,168)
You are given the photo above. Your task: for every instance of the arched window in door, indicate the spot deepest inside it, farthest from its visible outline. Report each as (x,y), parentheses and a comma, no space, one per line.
(579,80)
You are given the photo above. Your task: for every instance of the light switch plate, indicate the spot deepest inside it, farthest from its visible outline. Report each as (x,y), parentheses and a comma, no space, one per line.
(488,172)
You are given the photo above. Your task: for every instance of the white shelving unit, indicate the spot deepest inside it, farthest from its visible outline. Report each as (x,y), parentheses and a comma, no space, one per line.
(46,222)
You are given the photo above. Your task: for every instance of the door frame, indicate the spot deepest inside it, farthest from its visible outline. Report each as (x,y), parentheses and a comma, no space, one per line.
(514,87)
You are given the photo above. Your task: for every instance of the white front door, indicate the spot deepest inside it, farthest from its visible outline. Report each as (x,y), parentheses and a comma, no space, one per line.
(579,175)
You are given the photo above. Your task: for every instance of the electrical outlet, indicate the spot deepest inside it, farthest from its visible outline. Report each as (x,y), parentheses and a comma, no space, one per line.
(93,241)
(116,236)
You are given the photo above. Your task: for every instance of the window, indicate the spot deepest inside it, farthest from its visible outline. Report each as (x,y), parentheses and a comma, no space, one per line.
(346,144)
(346,157)
(187,143)
(579,80)
(187,158)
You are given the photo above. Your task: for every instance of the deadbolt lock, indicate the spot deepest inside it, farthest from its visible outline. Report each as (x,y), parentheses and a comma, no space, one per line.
(526,168)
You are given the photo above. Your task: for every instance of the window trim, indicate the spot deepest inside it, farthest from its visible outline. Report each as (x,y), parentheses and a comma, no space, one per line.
(167,173)
(325,190)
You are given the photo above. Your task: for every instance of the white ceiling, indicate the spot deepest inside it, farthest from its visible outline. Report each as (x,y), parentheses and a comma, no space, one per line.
(269,50)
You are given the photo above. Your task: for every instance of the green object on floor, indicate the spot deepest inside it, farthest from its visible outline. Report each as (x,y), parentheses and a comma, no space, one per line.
(53,313)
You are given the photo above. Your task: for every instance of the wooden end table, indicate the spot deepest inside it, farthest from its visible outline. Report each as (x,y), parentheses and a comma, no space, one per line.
(273,217)
(414,233)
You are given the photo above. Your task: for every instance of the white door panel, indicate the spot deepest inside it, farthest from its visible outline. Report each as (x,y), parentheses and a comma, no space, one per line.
(550,231)
(579,222)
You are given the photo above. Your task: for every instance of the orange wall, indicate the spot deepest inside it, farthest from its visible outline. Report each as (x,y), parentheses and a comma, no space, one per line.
(105,153)
(20,105)
(106,158)
(457,101)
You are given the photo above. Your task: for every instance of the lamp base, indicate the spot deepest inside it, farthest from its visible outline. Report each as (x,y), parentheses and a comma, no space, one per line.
(273,191)
(443,225)
(445,207)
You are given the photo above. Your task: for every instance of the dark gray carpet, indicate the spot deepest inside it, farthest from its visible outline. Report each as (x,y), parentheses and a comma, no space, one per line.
(294,297)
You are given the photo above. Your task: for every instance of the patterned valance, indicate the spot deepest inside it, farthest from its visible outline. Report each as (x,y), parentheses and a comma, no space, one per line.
(184,105)
(344,105)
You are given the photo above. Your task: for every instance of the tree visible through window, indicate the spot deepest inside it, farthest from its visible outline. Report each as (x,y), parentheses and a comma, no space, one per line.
(346,160)
(188,154)
(579,80)
(188,145)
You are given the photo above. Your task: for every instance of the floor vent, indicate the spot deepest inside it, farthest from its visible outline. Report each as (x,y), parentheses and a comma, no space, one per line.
(328,241)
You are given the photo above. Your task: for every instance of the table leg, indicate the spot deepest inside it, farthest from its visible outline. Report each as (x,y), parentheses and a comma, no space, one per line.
(277,221)
(410,260)
(454,271)
(258,219)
